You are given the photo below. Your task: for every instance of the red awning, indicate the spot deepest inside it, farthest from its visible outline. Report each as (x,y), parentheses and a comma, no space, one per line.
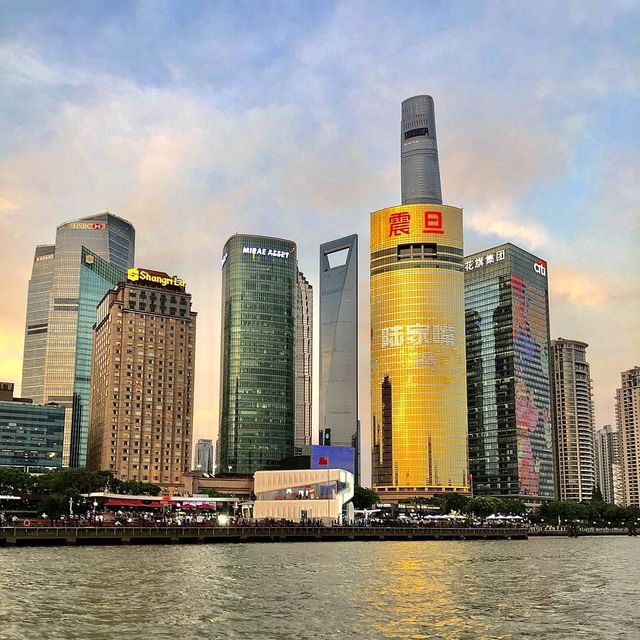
(125,502)
(122,503)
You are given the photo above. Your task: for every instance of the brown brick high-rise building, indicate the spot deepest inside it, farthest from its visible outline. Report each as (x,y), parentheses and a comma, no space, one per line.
(141,423)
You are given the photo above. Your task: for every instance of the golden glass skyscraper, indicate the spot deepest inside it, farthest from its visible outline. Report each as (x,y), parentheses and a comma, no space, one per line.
(418,379)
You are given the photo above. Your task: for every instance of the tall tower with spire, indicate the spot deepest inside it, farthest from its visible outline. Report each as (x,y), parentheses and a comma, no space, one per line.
(418,386)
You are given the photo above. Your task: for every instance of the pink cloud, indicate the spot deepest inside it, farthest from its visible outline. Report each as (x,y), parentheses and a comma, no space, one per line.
(579,287)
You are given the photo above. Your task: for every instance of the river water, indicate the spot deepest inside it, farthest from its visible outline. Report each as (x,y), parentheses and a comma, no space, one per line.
(543,588)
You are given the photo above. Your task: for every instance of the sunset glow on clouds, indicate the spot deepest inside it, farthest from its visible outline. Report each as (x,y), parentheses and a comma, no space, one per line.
(198,120)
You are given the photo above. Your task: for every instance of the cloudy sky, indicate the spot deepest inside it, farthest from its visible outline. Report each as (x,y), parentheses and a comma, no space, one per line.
(196,120)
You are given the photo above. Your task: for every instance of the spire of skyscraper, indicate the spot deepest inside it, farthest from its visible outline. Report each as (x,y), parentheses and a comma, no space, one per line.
(419,152)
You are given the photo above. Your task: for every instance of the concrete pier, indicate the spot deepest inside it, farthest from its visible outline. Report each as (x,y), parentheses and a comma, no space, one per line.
(40,536)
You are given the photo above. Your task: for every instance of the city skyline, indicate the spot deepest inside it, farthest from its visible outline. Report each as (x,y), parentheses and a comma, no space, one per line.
(154,139)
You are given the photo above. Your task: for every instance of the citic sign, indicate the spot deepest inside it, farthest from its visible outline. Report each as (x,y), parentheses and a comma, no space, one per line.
(540,267)
(156,277)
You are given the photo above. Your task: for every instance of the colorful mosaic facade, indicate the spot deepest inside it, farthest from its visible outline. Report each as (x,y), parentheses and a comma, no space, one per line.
(508,386)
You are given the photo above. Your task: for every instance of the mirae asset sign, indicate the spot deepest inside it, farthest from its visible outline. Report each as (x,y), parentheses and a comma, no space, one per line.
(259,251)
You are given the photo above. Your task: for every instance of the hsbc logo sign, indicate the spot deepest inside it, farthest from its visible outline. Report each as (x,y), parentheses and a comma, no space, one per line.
(95,226)
(540,267)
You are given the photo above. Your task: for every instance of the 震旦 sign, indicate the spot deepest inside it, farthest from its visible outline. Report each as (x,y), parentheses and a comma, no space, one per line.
(400,223)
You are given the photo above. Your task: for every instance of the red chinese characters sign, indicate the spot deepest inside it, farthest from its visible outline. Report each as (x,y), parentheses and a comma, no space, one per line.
(400,223)
(432,222)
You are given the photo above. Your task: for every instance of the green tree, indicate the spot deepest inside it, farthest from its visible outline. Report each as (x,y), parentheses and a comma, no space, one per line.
(15,481)
(455,501)
(449,502)
(597,495)
(513,507)
(54,505)
(483,506)
(71,482)
(133,487)
(364,498)
(214,493)
(568,510)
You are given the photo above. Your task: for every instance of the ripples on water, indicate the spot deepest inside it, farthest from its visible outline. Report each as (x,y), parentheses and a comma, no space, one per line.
(543,588)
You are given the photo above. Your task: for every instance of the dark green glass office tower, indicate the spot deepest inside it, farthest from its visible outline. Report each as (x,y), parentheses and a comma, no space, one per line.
(508,383)
(257,399)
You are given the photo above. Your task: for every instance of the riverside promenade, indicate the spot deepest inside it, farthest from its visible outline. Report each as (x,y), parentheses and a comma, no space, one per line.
(41,536)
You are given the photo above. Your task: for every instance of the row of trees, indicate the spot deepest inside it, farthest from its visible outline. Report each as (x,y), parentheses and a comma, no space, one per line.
(365,498)
(481,506)
(594,511)
(70,482)
(588,512)
(54,490)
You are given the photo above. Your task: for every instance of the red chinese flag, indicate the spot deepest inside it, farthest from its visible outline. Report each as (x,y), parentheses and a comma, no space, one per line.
(323,460)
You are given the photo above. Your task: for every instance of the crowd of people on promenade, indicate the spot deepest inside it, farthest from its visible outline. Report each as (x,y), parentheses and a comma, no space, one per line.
(441,523)
(138,518)
(128,518)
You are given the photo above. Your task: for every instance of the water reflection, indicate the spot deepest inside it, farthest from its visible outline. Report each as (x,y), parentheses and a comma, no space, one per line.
(419,586)
(542,588)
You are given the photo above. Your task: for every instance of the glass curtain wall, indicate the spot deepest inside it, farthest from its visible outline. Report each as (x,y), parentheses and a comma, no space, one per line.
(258,345)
